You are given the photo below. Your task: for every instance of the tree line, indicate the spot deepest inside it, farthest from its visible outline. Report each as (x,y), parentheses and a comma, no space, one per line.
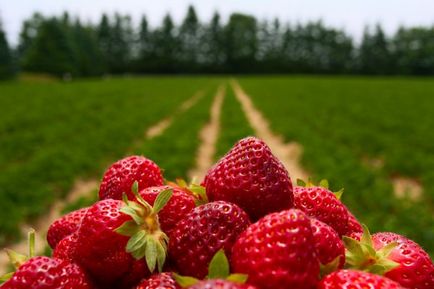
(66,46)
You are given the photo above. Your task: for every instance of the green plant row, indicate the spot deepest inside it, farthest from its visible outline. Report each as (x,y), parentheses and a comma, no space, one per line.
(53,133)
(342,121)
(233,124)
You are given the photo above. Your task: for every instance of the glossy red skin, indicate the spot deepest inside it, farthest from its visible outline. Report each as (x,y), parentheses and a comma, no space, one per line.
(322,204)
(179,205)
(354,228)
(120,176)
(101,251)
(65,250)
(48,273)
(220,284)
(64,227)
(278,252)
(416,269)
(349,279)
(328,244)
(204,231)
(159,281)
(250,176)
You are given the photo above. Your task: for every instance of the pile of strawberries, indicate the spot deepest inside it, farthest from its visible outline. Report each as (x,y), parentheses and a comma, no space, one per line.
(245,227)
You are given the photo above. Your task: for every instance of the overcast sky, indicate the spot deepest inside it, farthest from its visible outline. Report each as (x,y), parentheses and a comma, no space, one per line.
(352,15)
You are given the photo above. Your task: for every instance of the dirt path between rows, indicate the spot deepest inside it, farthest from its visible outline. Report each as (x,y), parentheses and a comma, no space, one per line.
(208,137)
(80,189)
(288,153)
(159,128)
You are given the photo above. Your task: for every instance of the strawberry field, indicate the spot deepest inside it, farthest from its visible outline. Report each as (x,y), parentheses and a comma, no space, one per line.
(359,133)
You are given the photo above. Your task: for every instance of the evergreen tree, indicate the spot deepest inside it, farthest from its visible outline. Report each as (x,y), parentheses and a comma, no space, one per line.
(89,56)
(119,57)
(6,59)
(144,46)
(189,37)
(213,45)
(166,47)
(374,53)
(241,43)
(28,33)
(52,51)
(104,38)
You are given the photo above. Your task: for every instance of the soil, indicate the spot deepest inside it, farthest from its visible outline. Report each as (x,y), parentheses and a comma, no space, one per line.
(208,137)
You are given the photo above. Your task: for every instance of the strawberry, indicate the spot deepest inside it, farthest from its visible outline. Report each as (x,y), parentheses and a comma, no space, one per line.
(205,230)
(250,176)
(64,227)
(321,203)
(393,256)
(351,279)
(115,236)
(121,175)
(48,273)
(43,272)
(354,228)
(159,281)
(278,252)
(176,209)
(329,247)
(220,284)
(66,248)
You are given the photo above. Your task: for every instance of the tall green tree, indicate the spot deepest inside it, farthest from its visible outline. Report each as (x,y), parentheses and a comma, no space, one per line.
(121,44)
(374,52)
(6,59)
(414,51)
(28,33)
(213,45)
(190,44)
(52,51)
(105,42)
(88,53)
(241,43)
(166,47)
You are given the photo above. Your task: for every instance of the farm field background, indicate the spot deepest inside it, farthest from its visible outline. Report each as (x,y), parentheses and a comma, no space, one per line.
(359,133)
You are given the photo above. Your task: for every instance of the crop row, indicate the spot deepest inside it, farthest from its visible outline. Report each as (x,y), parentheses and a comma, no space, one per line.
(50,134)
(341,121)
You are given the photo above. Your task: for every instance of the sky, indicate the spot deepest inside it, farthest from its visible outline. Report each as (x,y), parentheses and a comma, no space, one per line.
(351,15)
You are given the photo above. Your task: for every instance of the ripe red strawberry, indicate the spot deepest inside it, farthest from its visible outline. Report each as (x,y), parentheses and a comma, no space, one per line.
(64,227)
(115,236)
(278,252)
(220,284)
(66,248)
(354,228)
(159,281)
(415,269)
(393,256)
(350,279)
(48,273)
(329,247)
(121,175)
(205,230)
(250,176)
(321,203)
(180,204)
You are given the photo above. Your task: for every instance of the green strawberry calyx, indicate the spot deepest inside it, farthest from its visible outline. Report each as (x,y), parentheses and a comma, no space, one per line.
(323,184)
(218,269)
(17,259)
(147,240)
(192,188)
(361,255)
